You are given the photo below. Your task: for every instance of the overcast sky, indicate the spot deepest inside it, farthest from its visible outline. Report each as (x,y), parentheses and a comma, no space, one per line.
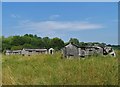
(87,21)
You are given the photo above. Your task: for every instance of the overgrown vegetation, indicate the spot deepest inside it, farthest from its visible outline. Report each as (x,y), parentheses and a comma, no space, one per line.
(48,69)
(30,41)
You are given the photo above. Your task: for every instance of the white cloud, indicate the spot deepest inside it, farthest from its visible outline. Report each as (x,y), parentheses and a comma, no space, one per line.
(52,17)
(51,34)
(15,16)
(54,26)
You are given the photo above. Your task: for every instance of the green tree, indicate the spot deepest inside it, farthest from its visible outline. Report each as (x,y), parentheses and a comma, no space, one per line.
(27,45)
(17,40)
(30,35)
(6,43)
(103,44)
(37,43)
(74,41)
(46,42)
(26,39)
(81,44)
(17,48)
(89,44)
(57,43)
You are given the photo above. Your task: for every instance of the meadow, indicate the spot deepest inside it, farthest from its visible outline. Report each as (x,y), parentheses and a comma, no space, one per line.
(48,69)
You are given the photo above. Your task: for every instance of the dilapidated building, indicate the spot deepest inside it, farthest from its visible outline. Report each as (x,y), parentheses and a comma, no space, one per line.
(33,51)
(13,52)
(30,51)
(70,50)
(76,51)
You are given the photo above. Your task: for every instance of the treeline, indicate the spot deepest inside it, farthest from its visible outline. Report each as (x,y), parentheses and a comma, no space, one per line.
(33,41)
(117,47)
(30,41)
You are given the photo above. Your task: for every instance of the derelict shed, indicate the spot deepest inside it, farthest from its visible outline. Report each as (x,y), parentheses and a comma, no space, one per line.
(82,52)
(98,50)
(16,52)
(90,50)
(86,51)
(34,51)
(9,52)
(51,50)
(70,50)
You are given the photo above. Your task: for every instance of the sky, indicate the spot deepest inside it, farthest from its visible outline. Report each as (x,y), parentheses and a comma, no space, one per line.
(0,19)
(60,0)
(86,21)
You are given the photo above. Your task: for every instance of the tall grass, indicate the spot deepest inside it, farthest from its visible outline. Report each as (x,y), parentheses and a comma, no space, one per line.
(52,70)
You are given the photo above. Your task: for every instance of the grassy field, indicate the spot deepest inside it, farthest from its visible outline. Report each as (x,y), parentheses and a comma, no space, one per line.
(52,70)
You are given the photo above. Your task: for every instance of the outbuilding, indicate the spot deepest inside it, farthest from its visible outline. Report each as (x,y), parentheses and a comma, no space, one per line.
(51,51)
(70,50)
(76,51)
(33,51)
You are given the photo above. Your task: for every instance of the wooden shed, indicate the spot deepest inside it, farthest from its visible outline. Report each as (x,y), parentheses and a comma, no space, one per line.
(70,50)
(33,51)
(13,52)
(76,51)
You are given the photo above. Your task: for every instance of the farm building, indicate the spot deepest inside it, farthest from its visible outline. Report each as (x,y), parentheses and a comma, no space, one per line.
(10,52)
(76,51)
(30,51)
(33,51)
(51,51)
(71,50)
(91,50)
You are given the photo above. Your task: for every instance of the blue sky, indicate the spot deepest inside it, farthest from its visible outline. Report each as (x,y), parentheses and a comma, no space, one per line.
(87,21)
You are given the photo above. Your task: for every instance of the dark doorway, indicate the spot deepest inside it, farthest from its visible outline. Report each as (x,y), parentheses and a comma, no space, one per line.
(51,52)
